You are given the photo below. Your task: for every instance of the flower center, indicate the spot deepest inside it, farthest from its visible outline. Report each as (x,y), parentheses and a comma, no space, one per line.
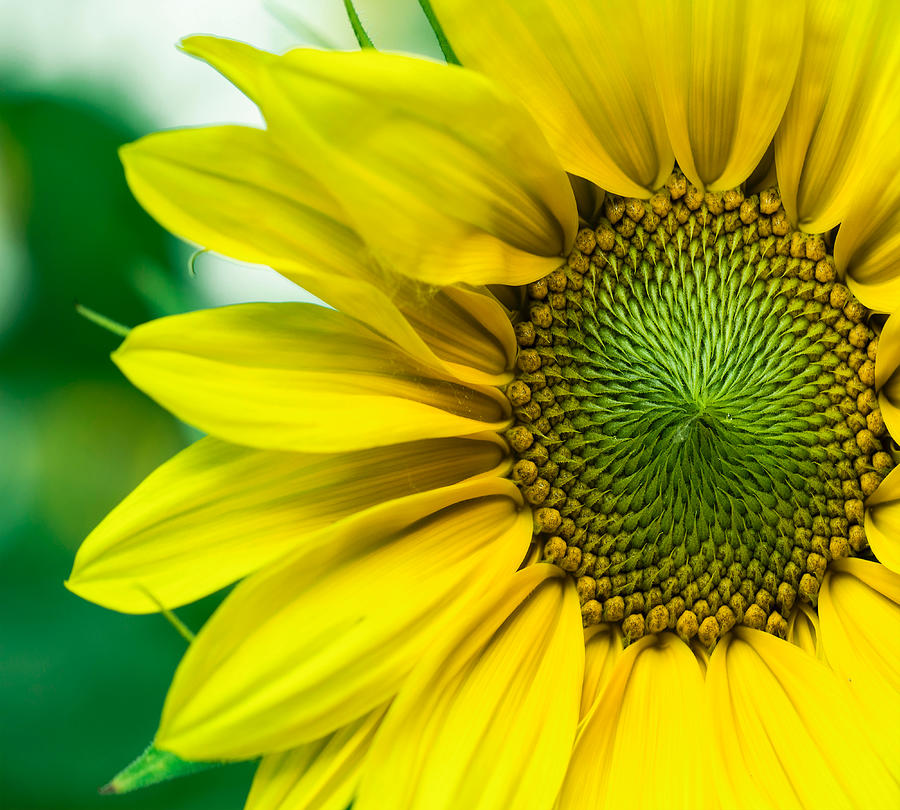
(695,420)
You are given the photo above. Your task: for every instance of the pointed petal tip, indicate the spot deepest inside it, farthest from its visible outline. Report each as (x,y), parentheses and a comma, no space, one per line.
(125,150)
(75,585)
(197,44)
(78,584)
(208,47)
(238,61)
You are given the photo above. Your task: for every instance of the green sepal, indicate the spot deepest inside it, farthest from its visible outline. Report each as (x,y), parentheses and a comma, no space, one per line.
(152,767)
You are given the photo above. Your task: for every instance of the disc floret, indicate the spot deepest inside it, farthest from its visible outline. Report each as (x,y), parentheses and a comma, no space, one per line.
(696,426)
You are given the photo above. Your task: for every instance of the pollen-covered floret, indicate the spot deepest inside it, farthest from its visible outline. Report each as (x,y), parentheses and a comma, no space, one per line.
(695,422)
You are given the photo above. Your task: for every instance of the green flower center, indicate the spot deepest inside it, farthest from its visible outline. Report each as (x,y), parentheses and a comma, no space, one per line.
(696,425)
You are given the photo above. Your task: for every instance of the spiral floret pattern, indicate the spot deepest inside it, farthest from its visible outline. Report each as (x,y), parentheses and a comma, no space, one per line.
(696,422)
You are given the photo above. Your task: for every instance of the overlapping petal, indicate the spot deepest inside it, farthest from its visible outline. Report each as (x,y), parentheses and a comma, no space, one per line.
(588,198)
(724,73)
(217,512)
(585,71)
(859,611)
(320,775)
(887,374)
(467,328)
(298,377)
(786,731)
(310,644)
(602,650)
(642,743)
(868,241)
(444,176)
(803,631)
(233,190)
(887,359)
(843,112)
(487,721)
(883,521)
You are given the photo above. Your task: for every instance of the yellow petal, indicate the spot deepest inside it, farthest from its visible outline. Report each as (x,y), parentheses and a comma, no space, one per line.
(234,191)
(764,175)
(887,374)
(445,177)
(701,656)
(602,650)
(889,404)
(247,74)
(244,508)
(803,631)
(464,333)
(584,70)
(642,744)
(868,240)
(724,72)
(786,731)
(842,111)
(487,720)
(887,359)
(588,198)
(859,612)
(881,296)
(297,377)
(325,636)
(883,521)
(320,775)
(466,328)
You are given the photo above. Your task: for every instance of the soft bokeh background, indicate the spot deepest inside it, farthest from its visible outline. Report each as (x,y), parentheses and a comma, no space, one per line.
(81,687)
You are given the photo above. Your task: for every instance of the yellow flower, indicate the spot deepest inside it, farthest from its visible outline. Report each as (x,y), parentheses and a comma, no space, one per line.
(574,498)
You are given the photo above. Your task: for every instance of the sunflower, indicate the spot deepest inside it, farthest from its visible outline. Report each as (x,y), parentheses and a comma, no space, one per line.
(581,493)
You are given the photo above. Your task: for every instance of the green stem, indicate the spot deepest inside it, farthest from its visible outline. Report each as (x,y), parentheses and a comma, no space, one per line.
(361,36)
(192,272)
(180,627)
(446,48)
(101,320)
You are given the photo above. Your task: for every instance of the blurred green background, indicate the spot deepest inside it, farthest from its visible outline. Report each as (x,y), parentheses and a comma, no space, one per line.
(81,687)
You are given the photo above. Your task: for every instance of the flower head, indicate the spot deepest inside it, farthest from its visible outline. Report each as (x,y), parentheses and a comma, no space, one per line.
(583,493)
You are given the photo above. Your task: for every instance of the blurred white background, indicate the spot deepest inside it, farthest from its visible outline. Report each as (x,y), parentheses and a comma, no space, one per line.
(126,49)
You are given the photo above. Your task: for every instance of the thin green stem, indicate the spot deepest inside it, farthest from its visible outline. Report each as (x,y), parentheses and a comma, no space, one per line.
(180,627)
(356,24)
(192,271)
(101,320)
(446,48)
